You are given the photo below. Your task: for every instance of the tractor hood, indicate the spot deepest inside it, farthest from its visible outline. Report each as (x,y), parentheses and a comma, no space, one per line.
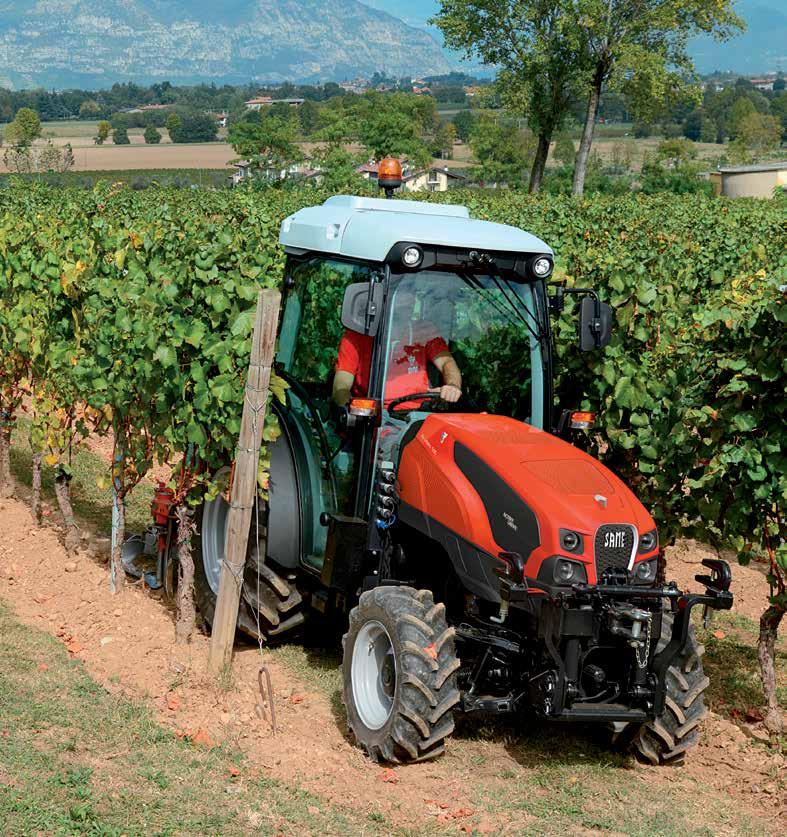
(506,486)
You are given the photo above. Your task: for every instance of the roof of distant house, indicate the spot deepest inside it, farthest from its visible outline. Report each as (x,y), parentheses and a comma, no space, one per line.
(259,100)
(778,166)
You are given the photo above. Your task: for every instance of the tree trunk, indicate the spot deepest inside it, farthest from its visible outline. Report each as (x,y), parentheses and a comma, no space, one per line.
(581,164)
(63,494)
(6,481)
(117,575)
(35,498)
(184,626)
(539,163)
(766,653)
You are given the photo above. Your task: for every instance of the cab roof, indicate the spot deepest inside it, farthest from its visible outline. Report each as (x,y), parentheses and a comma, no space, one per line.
(367,228)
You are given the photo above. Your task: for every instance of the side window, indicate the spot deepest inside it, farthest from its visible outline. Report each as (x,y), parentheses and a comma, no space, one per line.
(320,286)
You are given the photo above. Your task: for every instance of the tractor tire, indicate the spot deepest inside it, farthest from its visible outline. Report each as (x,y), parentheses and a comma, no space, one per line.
(399,671)
(270,605)
(666,739)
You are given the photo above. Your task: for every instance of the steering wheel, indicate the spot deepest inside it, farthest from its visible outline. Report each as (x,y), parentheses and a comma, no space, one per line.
(416,396)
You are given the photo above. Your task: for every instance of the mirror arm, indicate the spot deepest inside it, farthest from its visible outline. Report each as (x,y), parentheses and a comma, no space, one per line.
(596,324)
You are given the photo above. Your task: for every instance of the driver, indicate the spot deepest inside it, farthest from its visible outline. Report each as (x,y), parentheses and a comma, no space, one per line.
(412,349)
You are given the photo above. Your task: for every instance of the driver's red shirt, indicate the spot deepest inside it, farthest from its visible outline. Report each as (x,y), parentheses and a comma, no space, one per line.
(407,363)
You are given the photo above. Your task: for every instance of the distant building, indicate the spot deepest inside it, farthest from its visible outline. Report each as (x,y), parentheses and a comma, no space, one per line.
(258,102)
(432,179)
(758,181)
(357,85)
(295,103)
(244,171)
(765,84)
(221,119)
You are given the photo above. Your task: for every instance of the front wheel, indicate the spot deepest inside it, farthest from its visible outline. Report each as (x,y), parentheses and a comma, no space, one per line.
(666,739)
(399,672)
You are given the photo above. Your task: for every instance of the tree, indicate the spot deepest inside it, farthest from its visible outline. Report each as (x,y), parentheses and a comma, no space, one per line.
(741,109)
(536,44)
(464,122)
(25,128)
(640,47)
(760,133)
(152,135)
(120,135)
(503,151)
(89,109)
(102,132)
(269,145)
(193,127)
(173,125)
(309,117)
(564,151)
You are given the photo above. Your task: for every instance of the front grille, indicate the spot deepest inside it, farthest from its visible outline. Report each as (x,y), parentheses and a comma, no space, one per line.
(613,547)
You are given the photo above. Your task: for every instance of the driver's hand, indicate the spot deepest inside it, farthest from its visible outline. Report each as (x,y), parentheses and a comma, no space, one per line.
(449,393)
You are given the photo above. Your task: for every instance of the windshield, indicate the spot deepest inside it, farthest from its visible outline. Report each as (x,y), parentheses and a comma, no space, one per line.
(486,325)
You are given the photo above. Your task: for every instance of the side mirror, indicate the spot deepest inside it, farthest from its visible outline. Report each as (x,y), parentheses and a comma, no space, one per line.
(595,324)
(361,308)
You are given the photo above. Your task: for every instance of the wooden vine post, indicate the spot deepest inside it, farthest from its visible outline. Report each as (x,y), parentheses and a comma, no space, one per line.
(244,483)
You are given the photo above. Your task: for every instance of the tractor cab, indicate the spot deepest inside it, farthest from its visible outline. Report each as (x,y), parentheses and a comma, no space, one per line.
(404,277)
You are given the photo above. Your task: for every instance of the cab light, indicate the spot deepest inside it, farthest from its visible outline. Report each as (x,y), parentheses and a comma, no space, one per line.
(412,256)
(363,407)
(542,266)
(582,420)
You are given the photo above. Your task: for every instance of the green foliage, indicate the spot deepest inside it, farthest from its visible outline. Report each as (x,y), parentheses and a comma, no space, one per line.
(102,132)
(268,143)
(464,122)
(120,135)
(25,128)
(152,135)
(503,151)
(193,127)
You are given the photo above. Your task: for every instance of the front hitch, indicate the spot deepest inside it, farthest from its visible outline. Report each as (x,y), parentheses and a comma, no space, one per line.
(717,596)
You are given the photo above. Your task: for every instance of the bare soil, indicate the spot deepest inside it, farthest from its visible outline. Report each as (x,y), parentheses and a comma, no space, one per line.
(127,644)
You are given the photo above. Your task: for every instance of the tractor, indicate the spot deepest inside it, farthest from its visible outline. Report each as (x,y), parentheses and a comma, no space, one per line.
(475,560)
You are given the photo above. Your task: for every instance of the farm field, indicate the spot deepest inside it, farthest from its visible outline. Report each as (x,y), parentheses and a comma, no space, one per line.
(166,155)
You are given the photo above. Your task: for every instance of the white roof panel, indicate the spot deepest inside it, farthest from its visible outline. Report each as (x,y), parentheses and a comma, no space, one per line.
(367,228)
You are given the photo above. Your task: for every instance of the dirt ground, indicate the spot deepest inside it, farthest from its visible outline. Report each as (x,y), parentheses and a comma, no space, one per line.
(126,643)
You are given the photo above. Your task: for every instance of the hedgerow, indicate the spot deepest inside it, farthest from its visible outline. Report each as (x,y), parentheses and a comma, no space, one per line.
(131,312)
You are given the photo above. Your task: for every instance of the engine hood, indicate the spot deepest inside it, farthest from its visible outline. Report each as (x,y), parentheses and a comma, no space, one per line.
(506,486)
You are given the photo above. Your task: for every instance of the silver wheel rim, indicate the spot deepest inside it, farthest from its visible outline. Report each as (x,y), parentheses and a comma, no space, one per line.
(214,530)
(373,675)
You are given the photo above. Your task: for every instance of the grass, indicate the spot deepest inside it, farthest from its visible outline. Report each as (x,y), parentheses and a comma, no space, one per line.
(731,664)
(92,505)
(76,760)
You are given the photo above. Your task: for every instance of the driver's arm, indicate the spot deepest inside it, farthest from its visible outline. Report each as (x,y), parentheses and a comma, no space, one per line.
(451,390)
(342,387)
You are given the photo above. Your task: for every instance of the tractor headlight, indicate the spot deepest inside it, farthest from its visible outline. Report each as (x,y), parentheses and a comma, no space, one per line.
(568,572)
(648,542)
(571,541)
(542,266)
(645,571)
(412,256)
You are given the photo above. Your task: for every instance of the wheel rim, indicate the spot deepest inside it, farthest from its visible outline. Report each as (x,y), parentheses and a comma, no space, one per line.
(373,675)
(214,530)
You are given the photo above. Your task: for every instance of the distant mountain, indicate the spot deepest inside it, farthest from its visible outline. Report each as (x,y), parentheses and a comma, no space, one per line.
(762,48)
(93,43)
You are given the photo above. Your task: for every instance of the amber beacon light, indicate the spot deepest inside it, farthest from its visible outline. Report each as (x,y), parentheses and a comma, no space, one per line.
(389,175)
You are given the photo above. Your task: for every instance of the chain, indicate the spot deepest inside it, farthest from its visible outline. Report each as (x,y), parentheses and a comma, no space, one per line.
(642,661)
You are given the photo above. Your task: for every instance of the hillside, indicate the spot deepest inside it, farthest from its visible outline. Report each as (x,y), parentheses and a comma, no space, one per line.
(93,43)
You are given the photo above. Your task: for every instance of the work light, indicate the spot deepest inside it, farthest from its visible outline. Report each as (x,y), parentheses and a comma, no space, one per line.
(412,256)
(542,266)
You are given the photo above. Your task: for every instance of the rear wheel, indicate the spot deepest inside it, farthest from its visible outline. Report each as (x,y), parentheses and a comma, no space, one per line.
(666,739)
(399,672)
(270,604)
